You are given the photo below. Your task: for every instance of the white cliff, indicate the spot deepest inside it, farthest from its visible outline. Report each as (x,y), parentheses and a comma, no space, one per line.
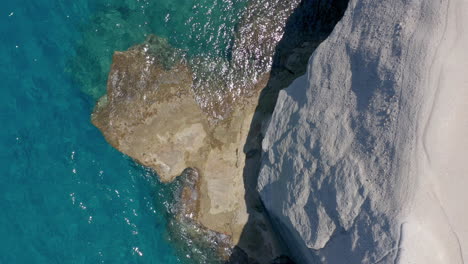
(365,156)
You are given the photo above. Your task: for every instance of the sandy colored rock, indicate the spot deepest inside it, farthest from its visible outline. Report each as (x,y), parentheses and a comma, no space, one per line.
(150,113)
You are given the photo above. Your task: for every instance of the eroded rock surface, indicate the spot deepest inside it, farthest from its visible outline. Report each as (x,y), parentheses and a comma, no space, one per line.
(150,113)
(347,174)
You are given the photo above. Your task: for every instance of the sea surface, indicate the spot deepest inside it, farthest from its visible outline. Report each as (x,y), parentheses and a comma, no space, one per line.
(66,196)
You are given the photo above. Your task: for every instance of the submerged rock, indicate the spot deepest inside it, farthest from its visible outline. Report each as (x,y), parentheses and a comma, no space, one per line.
(219,83)
(201,244)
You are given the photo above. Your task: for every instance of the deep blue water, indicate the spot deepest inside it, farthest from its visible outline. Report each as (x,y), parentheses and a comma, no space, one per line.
(66,196)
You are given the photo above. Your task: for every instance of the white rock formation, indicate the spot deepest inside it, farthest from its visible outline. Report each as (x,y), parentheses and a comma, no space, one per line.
(365,158)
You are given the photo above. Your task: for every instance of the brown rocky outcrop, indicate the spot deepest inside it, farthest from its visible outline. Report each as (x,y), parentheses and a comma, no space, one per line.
(150,113)
(170,112)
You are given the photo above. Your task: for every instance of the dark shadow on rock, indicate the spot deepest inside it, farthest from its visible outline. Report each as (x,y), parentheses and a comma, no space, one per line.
(309,25)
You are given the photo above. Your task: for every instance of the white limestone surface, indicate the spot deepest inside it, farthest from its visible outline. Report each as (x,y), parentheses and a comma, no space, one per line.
(365,156)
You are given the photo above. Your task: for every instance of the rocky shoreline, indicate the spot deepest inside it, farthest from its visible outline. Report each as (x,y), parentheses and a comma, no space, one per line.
(170,112)
(160,125)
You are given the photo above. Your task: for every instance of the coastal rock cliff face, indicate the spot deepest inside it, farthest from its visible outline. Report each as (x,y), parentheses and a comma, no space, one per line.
(362,159)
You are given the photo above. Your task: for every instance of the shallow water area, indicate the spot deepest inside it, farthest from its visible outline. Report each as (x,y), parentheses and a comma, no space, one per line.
(66,195)
(199,28)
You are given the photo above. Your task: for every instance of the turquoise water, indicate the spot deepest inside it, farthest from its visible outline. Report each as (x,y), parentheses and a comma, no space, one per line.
(199,27)
(66,196)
